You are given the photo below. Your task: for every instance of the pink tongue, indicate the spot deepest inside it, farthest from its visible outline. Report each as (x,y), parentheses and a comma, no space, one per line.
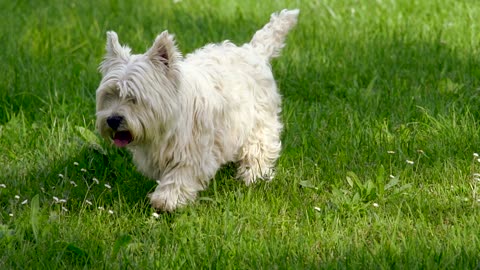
(120,143)
(122,138)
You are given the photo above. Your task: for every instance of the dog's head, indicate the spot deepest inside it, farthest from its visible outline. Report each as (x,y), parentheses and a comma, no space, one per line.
(137,97)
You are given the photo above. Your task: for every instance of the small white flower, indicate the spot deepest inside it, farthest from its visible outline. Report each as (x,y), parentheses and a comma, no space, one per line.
(476,175)
(392,176)
(101,208)
(375,204)
(110,212)
(25,202)
(3,186)
(83,170)
(478,159)
(75,163)
(62,201)
(60,175)
(73,183)
(17,197)
(11,214)
(317,209)
(391,152)
(88,202)
(476,179)
(55,199)
(155,215)
(420,151)
(64,209)
(108,186)
(95,180)
(410,162)
(475,155)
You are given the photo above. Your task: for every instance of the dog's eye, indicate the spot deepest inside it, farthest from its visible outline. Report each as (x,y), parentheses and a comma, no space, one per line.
(132,100)
(109,97)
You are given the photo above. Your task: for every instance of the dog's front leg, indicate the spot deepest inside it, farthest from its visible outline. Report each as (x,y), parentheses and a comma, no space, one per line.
(177,188)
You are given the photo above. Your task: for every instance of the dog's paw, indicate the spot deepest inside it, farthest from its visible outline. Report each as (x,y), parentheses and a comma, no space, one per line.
(250,175)
(167,199)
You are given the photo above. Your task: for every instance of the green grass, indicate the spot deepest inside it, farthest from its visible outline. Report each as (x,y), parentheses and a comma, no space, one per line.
(359,79)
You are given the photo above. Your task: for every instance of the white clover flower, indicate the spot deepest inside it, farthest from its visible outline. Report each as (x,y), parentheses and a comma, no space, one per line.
(17,197)
(64,209)
(391,152)
(24,202)
(375,204)
(11,214)
(475,155)
(155,215)
(317,209)
(392,176)
(101,208)
(3,186)
(83,170)
(88,202)
(95,180)
(62,201)
(60,175)
(75,163)
(108,186)
(73,183)
(110,212)
(55,199)
(410,162)
(420,151)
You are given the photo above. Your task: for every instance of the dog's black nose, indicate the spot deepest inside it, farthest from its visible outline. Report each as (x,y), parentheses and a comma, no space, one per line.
(114,121)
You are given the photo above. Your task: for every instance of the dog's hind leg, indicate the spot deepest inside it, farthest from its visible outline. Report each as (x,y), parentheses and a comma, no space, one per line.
(258,156)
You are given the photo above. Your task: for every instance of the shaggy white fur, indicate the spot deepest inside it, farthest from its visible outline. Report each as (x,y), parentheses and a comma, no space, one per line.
(182,118)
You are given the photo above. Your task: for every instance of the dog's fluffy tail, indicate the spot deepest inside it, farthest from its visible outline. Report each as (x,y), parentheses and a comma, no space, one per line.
(269,40)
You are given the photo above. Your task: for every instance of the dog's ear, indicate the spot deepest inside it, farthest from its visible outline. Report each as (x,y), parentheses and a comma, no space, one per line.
(115,53)
(164,50)
(113,46)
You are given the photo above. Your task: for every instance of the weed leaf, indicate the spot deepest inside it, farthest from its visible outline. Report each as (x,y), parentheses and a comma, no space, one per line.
(35,208)
(91,139)
(392,183)
(307,184)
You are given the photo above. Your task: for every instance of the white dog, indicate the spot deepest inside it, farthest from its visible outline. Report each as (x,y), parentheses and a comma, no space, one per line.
(182,118)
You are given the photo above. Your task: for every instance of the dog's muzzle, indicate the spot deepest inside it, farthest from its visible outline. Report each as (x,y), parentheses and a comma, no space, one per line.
(122,137)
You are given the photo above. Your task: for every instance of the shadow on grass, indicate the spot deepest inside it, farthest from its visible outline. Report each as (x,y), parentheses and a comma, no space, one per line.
(87,177)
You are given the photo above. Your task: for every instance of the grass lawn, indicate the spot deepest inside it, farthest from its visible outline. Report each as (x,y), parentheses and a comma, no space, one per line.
(378,169)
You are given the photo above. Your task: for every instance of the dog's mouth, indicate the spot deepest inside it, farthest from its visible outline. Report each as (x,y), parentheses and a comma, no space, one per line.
(122,138)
